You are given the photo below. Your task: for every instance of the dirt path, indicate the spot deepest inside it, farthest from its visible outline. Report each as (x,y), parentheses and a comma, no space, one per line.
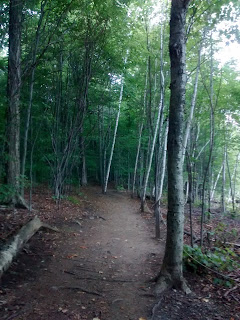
(98,269)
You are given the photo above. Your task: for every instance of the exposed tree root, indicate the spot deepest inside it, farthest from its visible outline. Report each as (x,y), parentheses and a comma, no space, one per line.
(83,290)
(20,203)
(16,243)
(166,281)
(144,207)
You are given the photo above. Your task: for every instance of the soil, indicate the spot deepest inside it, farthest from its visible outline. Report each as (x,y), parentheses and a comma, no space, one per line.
(98,267)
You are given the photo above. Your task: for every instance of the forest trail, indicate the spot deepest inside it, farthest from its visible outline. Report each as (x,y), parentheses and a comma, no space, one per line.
(109,252)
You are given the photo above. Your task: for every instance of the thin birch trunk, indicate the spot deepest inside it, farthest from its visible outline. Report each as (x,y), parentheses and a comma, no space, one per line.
(159,117)
(223,200)
(158,193)
(216,182)
(157,207)
(211,143)
(230,182)
(202,149)
(137,157)
(163,171)
(114,134)
(160,110)
(233,177)
(193,102)
(140,133)
(100,137)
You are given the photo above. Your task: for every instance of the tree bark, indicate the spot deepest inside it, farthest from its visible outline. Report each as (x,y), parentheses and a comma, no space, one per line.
(13,93)
(215,184)
(157,207)
(114,135)
(15,244)
(211,144)
(11,249)
(31,86)
(171,273)
(160,111)
(230,182)
(140,133)
(193,103)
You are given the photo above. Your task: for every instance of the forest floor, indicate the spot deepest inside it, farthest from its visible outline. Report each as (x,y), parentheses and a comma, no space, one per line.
(99,266)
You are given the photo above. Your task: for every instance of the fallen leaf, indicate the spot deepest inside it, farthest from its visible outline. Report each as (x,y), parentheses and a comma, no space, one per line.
(141,318)
(72,256)
(64,310)
(83,247)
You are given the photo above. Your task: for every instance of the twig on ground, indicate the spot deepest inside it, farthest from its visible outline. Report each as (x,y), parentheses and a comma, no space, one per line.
(78,222)
(232,289)
(100,217)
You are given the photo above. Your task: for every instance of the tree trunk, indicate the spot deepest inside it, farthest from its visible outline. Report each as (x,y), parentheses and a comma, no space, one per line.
(14,86)
(230,183)
(193,103)
(190,197)
(136,160)
(140,133)
(234,175)
(83,164)
(215,184)
(157,207)
(223,182)
(15,244)
(32,78)
(11,249)
(171,272)
(114,135)
(160,112)
(206,175)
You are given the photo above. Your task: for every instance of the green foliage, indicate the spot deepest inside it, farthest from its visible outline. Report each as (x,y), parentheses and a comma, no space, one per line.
(120,188)
(73,199)
(96,35)
(6,193)
(218,259)
(222,235)
(222,282)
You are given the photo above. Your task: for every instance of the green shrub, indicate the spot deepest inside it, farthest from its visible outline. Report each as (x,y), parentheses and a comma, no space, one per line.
(217,259)
(6,193)
(73,199)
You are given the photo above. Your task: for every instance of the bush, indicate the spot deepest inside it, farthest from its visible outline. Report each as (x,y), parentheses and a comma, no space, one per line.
(217,259)
(6,193)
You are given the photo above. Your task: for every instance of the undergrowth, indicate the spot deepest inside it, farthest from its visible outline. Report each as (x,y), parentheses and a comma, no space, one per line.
(219,260)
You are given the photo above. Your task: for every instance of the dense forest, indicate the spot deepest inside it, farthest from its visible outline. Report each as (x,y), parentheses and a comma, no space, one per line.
(94,96)
(106,93)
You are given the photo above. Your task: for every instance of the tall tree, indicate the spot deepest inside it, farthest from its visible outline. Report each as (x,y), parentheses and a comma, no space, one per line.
(171,273)
(13,93)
